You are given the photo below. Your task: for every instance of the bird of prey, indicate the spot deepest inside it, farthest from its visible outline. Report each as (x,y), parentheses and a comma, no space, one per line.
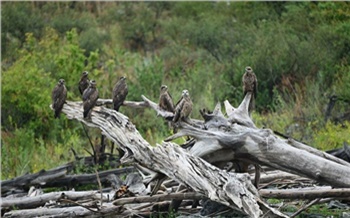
(90,97)
(250,84)
(59,95)
(183,108)
(120,91)
(83,82)
(165,99)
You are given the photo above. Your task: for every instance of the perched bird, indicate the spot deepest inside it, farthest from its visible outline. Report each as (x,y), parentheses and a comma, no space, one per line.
(59,95)
(120,91)
(90,97)
(83,82)
(165,99)
(183,108)
(250,84)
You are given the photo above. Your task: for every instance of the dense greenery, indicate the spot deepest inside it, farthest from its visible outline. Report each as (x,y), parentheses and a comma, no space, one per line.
(299,51)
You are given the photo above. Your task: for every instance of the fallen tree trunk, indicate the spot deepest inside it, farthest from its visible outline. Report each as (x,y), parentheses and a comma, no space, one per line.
(41,200)
(25,181)
(57,178)
(75,211)
(216,139)
(278,175)
(226,139)
(84,179)
(233,190)
(306,193)
(158,198)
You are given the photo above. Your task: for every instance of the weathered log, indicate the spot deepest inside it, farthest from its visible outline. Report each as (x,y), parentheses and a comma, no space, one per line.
(312,150)
(84,179)
(306,193)
(25,181)
(41,200)
(235,137)
(133,104)
(158,198)
(233,190)
(223,141)
(75,211)
(57,178)
(279,175)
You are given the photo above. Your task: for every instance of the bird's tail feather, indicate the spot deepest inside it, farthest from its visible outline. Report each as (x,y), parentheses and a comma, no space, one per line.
(86,113)
(57,114)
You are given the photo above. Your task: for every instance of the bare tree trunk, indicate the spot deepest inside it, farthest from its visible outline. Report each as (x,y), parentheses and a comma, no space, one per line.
(216,139)
(306,193)
(234,190)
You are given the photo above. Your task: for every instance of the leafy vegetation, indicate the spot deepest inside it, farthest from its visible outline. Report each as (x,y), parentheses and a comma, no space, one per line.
(299,51)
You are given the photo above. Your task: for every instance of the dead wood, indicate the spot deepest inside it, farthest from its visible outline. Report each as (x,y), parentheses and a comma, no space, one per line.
(223,141)
(216,139)
(41,200)
(272,176)
(42,177)
(233,190)
(312,150)
(75,211)
(159,198)
(57,178)
(305,193)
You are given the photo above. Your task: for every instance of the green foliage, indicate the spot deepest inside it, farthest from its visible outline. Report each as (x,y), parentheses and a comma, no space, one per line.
(26,96)
(16,161)
(17,19)
(332,136)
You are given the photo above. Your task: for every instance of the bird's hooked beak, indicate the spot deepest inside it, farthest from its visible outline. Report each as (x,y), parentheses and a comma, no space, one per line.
(93,83)
(248,69)
(185,93)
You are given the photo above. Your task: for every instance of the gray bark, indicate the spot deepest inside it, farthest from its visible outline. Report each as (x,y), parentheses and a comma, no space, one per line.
(234,190)
(41,200)
(244,141)
(75,211)
(306,193)
(217,139)
(57,178)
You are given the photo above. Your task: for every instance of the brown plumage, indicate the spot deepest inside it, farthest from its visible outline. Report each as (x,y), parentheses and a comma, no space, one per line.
(165,99)
(83,82)
(183,108)
(120,91)
(59,96)
(90,97)
(250,84)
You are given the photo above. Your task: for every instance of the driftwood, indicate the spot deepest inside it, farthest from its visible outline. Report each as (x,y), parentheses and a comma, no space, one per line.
(41,200)
(306,193)
(279,175)
(226,140)
(25,181)
(158,198)
(75,211)
(233,190)
(217,139)
(214,141)
(57,177)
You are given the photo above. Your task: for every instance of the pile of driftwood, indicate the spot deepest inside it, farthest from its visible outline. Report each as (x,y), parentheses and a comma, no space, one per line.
(199,178)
